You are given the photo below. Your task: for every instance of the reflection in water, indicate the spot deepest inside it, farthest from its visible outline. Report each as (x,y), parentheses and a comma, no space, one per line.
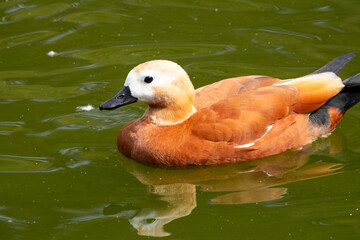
(180,200)
(248,182)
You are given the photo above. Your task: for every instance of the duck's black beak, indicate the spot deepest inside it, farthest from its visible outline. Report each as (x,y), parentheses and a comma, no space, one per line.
(120,99)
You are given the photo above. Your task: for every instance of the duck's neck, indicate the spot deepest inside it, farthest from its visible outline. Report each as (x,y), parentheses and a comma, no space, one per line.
(170,115)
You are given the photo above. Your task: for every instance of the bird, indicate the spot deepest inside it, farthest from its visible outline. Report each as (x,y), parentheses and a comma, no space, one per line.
(232,120)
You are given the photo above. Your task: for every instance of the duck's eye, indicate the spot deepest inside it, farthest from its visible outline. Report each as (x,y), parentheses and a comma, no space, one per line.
(148,79)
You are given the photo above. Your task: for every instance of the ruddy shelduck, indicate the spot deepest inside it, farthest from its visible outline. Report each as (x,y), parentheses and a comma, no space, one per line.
(236,119)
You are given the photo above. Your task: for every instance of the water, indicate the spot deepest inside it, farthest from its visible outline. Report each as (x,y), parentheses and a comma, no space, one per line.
(61,176)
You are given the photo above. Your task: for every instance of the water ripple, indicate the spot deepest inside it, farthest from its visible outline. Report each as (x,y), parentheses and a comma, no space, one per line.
(37,92)
(25,38)
(18,164)
(94,120)
(95,17)
(278,30)
(228,6)
(8,128)
(130,54)
(22,12)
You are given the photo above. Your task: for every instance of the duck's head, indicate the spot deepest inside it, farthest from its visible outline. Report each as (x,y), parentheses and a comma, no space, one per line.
(163,85)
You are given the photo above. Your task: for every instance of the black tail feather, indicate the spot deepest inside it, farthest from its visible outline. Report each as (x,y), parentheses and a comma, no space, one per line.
(348,96)
(337,64)
(345,99)
(352,81)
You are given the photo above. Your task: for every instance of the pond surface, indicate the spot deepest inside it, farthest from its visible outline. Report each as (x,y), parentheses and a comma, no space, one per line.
(61,176)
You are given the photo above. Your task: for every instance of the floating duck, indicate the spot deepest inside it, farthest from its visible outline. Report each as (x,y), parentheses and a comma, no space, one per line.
(236,119)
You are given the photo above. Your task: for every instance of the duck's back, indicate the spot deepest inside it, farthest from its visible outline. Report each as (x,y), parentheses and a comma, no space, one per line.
(314,90)
(218,91)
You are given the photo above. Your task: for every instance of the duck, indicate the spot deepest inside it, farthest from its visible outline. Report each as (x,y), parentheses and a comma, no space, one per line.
(232,120)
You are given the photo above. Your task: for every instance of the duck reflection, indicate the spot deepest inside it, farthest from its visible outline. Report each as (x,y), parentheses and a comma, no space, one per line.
(174,190)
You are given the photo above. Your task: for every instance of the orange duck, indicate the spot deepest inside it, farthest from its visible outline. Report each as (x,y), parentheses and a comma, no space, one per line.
(236,119)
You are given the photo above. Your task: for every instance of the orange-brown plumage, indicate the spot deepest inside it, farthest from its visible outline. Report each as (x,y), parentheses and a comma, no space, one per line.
(235,119)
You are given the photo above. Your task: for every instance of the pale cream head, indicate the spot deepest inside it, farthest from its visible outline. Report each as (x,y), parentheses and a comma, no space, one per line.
(165,87)
(169,81)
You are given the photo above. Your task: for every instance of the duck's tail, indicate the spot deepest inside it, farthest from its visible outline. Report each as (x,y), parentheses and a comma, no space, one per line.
(331,112)
(316,88)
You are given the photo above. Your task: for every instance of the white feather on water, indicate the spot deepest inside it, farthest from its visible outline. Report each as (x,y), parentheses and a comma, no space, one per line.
(52,54)
(85,108)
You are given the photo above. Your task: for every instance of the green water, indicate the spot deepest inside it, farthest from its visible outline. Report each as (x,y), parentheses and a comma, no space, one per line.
(61,176)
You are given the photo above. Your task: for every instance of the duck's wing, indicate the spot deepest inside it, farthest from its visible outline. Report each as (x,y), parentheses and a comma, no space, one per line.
(216,92)
(248,116)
